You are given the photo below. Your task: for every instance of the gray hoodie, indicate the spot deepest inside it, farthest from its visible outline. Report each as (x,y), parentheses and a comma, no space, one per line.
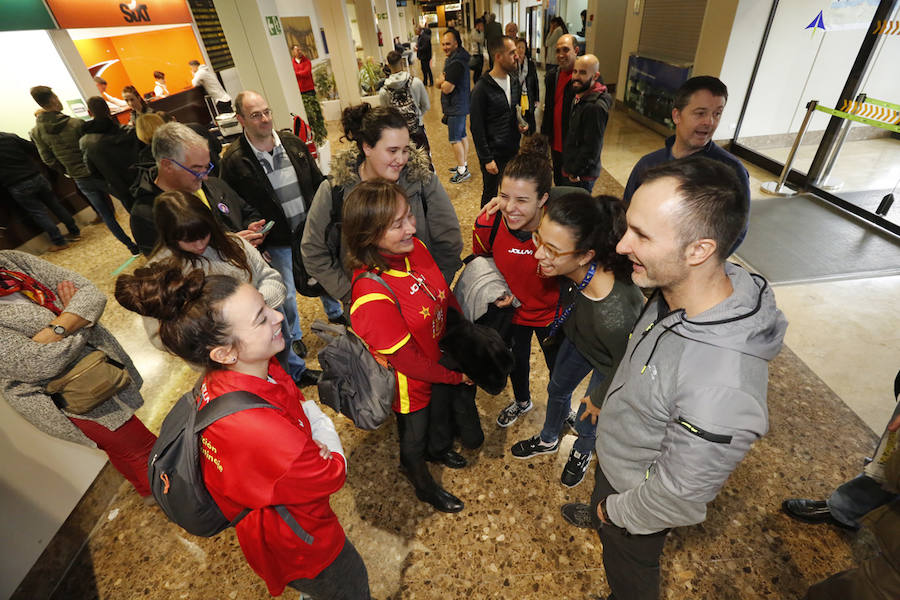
(686,403)
(417,90)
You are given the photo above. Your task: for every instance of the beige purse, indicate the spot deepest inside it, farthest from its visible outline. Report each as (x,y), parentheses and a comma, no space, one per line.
(91,381)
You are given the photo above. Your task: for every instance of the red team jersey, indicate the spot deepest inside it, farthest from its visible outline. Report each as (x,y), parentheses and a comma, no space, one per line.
(424,297)
(262,457)
(515,260)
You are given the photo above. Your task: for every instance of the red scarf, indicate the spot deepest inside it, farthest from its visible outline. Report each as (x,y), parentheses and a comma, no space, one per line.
(597,87)
(13,281)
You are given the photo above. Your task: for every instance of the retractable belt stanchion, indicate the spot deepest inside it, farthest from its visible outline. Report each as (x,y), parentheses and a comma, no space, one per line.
(778,188)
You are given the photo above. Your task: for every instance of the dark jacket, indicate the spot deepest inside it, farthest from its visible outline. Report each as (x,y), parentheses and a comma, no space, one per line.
(110,151)
(423,44)
(549,104)
(231,212)
(531,85)
(495,127)
(457,102)
(587,124)
(492,31)
(56,137)
(245,175)
(16,159)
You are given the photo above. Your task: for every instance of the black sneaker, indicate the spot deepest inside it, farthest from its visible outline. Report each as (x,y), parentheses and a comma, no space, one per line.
(309,377)
(577,514)
(532,447)
(299,348)
(575,468)
(509,414)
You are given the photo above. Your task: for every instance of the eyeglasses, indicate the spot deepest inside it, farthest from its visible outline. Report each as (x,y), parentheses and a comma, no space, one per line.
(256,116)
(197,174)
(550,252)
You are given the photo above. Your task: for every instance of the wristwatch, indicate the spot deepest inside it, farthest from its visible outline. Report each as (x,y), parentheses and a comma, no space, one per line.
(58,330)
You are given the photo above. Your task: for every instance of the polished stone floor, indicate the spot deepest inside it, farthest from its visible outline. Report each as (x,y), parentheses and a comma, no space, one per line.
(510,541)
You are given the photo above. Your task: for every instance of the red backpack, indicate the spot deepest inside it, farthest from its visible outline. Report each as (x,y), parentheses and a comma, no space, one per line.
(303,131)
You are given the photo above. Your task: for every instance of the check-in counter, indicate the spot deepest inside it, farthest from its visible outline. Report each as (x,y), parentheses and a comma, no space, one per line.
(187,106)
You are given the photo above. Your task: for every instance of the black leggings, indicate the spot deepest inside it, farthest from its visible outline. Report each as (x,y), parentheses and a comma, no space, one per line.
(427,76)
(346,578)
(520,342)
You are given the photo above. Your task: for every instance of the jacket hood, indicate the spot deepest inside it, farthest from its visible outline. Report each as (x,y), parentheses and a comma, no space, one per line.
(748,321)
(396,81)
(345,167)
(144,184)
(52,121)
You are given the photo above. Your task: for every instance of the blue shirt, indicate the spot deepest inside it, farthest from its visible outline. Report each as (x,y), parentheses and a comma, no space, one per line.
(711,150)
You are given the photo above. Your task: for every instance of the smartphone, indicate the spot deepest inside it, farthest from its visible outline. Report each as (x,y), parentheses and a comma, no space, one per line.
(267,227)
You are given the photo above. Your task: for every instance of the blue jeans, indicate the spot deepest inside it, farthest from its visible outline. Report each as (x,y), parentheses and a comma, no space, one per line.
(35,196)
(282,262)
(333,308)
(95,191)
(586,184)
(520,344)
(571,368)
(456,127)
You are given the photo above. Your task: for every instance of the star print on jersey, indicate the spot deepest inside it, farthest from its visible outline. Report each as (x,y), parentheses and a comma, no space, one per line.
(425,312)
(442,295)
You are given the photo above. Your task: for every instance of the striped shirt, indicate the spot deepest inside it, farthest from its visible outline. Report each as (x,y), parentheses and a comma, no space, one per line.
(283,177)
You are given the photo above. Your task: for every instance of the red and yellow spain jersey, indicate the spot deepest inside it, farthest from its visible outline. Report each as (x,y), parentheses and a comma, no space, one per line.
(424,297)
(516,262)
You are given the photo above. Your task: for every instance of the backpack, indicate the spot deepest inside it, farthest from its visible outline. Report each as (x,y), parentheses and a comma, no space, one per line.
(353,382)
(303,131)
(402,100)
(304,283)
(175,473)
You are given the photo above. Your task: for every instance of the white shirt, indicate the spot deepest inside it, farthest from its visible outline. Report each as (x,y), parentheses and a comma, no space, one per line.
(160,90)
(504,85)
(205,78)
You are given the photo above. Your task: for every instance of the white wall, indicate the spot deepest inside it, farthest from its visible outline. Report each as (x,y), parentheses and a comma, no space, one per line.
(42,67)
(603,35)
(798,65)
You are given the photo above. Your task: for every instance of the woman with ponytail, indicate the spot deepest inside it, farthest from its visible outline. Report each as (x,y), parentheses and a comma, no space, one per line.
(259,458)
(506,234)
(576,240)
(382,151)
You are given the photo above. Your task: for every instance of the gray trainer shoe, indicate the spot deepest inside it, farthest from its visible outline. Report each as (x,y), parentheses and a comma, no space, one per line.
(509,414)
(577,514)
(460,177)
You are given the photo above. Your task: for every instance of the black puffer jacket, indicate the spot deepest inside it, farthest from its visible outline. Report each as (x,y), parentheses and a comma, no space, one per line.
(587,124)
(495,127)
(111,153)
(242,171)
(231,212)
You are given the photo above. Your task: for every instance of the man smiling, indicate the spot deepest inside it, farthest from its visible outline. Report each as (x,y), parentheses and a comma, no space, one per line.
(699,104)
(688,399)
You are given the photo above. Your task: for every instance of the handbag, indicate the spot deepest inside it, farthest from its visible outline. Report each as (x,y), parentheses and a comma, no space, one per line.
(88,383)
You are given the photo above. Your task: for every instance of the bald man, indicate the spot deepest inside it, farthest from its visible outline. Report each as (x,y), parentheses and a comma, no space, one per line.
(512,30)
(587,124)
(558,97)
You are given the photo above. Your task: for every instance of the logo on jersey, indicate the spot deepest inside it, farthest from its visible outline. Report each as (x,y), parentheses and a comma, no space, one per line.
(521,251)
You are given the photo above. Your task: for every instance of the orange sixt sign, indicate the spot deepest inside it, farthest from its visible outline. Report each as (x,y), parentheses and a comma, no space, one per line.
(74,14)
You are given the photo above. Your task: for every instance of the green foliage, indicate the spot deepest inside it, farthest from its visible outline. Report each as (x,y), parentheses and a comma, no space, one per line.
(316,120)
(369,75)
(323,77)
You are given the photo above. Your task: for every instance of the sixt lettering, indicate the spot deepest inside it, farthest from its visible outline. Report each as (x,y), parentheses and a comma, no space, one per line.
(134,15)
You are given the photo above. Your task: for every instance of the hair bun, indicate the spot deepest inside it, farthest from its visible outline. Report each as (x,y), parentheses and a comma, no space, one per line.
(352,120)
(161,290)
(535,144)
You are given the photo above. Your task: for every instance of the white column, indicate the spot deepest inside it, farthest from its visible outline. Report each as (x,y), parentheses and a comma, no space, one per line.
(385,25)
(365,21)
(263,61)
(333,16)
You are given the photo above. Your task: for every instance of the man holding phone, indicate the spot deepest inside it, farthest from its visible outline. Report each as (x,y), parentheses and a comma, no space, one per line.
(275,173)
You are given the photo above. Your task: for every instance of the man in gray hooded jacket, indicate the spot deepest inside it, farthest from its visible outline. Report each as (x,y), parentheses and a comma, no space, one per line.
(689,398)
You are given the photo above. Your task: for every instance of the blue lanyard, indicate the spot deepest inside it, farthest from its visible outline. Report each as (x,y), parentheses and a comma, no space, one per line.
(559,319)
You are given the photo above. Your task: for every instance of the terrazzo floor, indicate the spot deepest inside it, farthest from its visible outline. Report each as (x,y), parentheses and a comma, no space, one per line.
(510,541)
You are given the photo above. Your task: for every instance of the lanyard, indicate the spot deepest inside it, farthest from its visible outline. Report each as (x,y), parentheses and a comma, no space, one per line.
(559,319)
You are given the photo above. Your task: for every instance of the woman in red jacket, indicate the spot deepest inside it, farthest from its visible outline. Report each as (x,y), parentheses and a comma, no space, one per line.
(257,458)
(402,317)
(507,235)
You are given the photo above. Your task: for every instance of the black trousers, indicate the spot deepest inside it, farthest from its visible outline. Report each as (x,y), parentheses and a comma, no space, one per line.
(631,561)
(491,182)
(558,178)
(520,343)
(346,578)
(427,76)
(477,70)
(454,413)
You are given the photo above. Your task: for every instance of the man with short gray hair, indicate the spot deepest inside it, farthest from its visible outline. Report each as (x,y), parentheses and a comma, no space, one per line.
(182,163)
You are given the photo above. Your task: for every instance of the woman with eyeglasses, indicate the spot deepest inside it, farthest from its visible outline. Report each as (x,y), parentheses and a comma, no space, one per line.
(399,308)
(576,240)
(183,164)
(524,189)
(191,238)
